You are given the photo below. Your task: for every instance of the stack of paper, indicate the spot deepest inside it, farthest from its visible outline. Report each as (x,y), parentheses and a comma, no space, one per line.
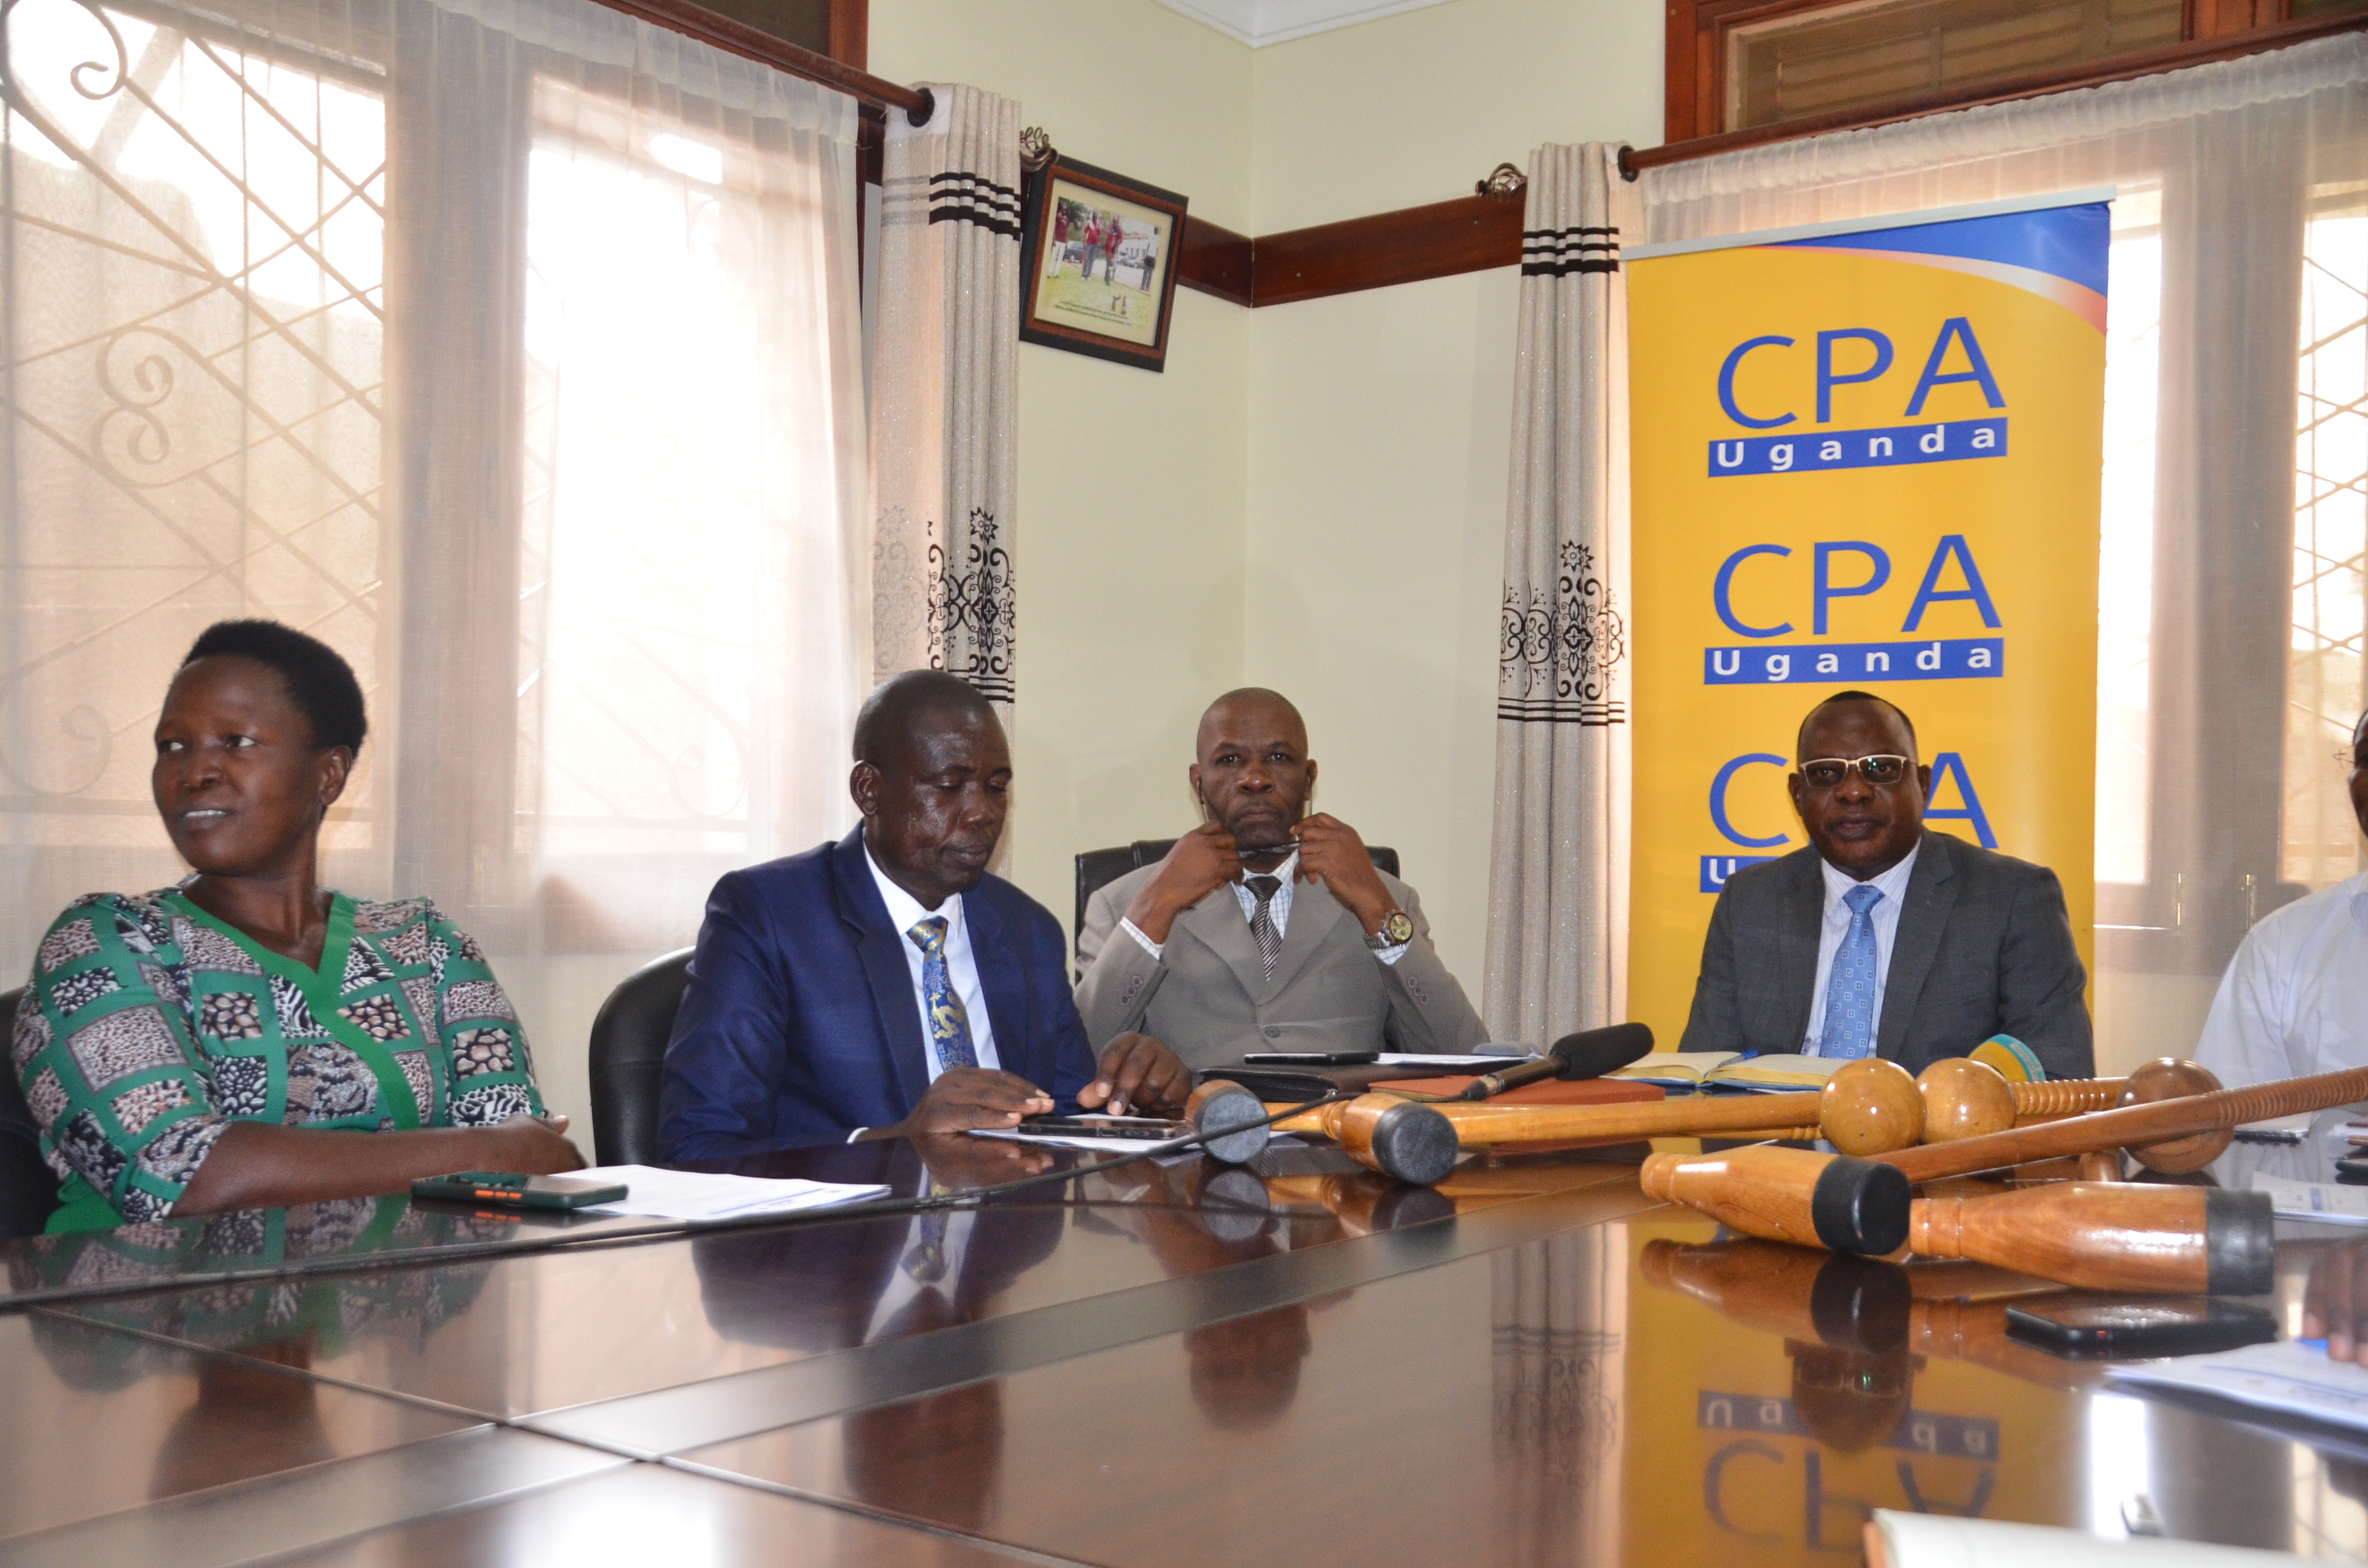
(1481,1059)
(2314,1199)
(689,1195)
(1936,1540)
(2291,1376)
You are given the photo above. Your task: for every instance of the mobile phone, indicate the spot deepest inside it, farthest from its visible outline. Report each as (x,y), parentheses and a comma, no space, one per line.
(1142,1127)
(513,1190)
(2352,1171)
(1310,1058)
(2140,1326)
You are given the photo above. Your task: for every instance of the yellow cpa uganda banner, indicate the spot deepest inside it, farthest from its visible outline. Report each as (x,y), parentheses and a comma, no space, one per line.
(1863,459)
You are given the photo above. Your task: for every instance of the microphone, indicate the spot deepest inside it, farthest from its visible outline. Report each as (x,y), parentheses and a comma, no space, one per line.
(1590,1054)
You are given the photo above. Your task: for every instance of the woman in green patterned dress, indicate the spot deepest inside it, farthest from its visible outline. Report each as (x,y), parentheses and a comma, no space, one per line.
(218,1044)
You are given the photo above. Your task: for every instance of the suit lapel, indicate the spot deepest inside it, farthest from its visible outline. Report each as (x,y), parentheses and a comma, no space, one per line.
(881,948)
(1314,913)
(1217,923)
(1797,933)
(1923,915)
(1003,981)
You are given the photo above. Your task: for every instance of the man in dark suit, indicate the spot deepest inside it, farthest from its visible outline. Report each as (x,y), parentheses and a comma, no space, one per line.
(1883,937)
(885,985)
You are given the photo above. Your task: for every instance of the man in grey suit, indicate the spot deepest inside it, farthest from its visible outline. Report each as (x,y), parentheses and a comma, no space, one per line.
(1883,937)
(1265,930)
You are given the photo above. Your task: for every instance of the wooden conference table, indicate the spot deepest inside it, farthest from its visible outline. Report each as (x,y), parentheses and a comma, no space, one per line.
(1164,1366)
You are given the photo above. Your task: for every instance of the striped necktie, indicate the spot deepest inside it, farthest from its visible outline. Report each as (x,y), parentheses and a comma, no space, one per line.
(1269,940)
(949,1023)
(1851,985)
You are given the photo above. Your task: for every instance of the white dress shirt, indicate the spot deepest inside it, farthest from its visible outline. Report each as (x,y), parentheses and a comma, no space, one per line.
(1885,917)
(2295,1000)
(904,912)
(1277,910)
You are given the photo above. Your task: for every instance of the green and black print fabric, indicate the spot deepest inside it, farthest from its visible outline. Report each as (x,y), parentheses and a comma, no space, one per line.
(150,1027)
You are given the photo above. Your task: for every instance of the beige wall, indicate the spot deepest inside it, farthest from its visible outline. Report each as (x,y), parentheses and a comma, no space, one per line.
(1132,486)
(1380,423)
(1312,496)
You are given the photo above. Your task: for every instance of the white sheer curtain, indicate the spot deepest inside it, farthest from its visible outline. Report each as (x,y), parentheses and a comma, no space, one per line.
(2235,473)
(1558,864)
(509,346)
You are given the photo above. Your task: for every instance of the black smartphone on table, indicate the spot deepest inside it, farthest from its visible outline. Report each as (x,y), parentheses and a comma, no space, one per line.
(2135,1328)
(514,1189)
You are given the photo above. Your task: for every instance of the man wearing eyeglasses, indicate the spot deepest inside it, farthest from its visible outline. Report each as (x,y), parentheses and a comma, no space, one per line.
(1884,939)
(2295,1000)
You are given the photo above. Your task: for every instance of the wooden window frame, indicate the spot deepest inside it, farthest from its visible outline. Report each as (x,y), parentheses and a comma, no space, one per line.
(1694,105)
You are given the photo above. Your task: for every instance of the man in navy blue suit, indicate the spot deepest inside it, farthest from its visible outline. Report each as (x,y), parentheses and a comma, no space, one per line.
(885,985)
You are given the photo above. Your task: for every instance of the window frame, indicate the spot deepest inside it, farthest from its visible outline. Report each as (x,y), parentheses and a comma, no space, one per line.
(1695,60)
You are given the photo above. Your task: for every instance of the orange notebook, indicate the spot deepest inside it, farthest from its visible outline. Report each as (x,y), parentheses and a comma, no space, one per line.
(1553,1091)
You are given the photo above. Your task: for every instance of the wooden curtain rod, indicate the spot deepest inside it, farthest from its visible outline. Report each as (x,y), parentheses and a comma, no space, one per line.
(738,37)
(2122,68)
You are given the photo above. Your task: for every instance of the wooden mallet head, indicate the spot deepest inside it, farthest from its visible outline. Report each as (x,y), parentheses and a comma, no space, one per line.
(1398,1137)
(1218,1105)
(1790,1195)
(1871,1106)
(1964,1098)
(2170,1078)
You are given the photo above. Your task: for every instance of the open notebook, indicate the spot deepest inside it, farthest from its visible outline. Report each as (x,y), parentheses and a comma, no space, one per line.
(1716,1071)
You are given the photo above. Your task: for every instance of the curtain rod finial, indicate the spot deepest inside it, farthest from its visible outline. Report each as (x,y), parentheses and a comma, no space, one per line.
(1035,149)
(1503,180)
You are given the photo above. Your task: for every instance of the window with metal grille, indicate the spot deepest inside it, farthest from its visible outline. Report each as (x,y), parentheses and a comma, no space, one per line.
(1845,57)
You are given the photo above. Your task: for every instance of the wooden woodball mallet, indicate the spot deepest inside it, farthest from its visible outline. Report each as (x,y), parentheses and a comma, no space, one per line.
(2102,1235)
(2177,1133)
(1872,1107)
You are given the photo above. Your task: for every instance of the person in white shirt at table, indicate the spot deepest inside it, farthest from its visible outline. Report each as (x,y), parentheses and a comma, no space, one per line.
(2295,1000)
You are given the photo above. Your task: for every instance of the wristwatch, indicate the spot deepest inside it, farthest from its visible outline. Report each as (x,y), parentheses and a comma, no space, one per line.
(1397,930)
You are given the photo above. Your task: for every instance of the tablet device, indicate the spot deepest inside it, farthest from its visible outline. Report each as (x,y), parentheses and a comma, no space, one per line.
(1141,1129)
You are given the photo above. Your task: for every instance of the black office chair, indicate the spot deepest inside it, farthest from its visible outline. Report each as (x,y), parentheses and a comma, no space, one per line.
(1097,868)
(629,1046)
(28,1188)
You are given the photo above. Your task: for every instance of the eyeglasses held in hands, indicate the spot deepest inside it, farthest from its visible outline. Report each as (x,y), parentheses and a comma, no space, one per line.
(1828,772)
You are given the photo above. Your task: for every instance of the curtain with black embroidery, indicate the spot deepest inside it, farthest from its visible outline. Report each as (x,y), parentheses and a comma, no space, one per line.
(1558,868)
(944,394)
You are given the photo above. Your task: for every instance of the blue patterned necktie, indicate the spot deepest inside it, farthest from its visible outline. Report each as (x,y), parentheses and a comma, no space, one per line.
(949,1024)
(1850,989)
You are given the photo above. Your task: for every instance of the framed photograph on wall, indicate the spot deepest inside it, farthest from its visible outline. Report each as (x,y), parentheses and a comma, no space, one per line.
(1100,265)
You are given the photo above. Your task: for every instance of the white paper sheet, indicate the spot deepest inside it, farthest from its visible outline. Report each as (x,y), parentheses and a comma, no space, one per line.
(691,1195)
(1937,1540)
(2314,1199)
(2291,1377)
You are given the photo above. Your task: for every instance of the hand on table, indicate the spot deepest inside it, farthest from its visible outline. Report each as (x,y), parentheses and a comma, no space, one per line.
(1330,851)
(1202,861)
(964,1097)
(1137,1076)
(537,1145)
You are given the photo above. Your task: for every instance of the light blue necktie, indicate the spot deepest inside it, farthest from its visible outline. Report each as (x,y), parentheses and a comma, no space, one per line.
(1850,988)
(949,1023)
